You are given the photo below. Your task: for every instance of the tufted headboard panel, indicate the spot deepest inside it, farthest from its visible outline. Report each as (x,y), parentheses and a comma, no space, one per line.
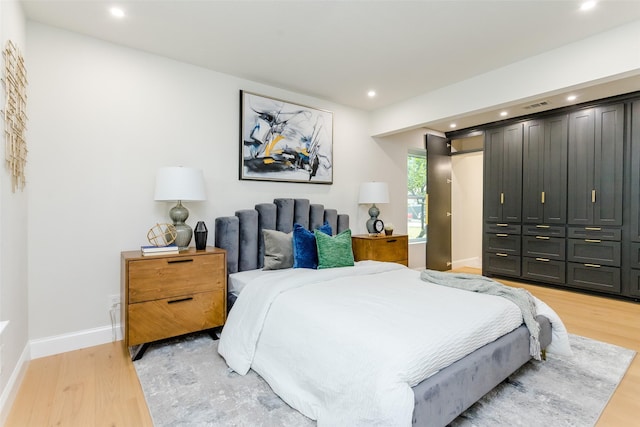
(241,234)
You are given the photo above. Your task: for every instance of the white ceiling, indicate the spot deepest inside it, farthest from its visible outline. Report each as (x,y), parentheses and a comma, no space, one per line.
(339,50)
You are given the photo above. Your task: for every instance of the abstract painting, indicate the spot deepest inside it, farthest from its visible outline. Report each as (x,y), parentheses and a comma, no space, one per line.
(282,141)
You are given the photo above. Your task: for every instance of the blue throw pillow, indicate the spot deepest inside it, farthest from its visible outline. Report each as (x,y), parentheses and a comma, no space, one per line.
(305,251)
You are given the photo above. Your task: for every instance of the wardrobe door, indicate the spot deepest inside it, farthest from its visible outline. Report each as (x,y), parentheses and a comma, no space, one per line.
(580,167)
(608,165)
(512,174)
(493,143)
(533,171)
(555,170)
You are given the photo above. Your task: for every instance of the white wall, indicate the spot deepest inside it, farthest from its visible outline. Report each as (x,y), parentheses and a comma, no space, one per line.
(103,119)
(594,59)
(13,240)
(466,209)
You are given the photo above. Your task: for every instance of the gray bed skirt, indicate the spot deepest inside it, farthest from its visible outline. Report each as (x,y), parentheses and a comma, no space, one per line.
(442,397)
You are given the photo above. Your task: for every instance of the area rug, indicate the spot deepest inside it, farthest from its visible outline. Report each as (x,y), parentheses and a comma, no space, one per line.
(186,383)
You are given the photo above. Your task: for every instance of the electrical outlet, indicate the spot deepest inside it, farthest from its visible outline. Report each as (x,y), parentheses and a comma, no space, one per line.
(113,301)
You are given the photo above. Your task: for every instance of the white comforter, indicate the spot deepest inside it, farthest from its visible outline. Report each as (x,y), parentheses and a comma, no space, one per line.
(345,345)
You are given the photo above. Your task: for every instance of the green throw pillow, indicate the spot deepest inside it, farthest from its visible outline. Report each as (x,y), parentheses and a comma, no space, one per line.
(334,251)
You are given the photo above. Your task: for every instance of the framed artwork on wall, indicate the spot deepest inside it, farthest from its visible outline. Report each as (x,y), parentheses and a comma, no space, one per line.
(283,141)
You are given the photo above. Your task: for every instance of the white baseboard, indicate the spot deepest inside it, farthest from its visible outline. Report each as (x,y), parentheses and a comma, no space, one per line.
(475,262)
(57,344)
(10,391)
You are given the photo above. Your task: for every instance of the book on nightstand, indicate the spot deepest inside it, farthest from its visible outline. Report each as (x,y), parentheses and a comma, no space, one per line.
(159,250)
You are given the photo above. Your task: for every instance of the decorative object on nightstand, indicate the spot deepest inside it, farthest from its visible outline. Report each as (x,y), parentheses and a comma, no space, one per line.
(162,234)
(201,233)
(388,229)
(374,192)
(381,248)
(177,184)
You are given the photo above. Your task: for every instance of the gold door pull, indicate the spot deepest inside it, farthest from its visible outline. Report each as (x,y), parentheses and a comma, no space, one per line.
(542,198)
(593,196)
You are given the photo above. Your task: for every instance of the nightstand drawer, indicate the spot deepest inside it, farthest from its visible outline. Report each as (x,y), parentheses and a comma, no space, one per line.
(167,277)
(381,248)
(155,320)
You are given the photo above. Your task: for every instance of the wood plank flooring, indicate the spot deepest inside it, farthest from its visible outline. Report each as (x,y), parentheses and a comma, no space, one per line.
(98,386)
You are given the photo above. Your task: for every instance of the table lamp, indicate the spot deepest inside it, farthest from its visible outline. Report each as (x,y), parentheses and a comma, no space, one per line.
(178,183)
(373,192)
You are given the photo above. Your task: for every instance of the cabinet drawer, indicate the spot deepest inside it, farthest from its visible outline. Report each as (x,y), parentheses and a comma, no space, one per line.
(168,277)
(606,279)
(169,317)
(503,243)
(544,270)
(544,230)
(543,247)
(634,256)
(597,233)
(634,283)
(502,228)
(593,252)
(508,265)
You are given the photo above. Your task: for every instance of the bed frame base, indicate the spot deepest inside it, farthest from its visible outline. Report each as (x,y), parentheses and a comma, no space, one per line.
(442,397)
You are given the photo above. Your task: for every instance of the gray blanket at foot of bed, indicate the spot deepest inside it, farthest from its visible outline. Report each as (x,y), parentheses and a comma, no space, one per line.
(441,398)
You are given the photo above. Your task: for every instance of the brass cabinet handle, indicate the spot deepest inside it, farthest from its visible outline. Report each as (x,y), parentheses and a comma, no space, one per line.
(592,265)
(502,225)
(542,259)
(502,198)
(542,198)
(502,235)
(593,228)
(593,196)
(543,226)
(542,237)
(593,241)
(503,255)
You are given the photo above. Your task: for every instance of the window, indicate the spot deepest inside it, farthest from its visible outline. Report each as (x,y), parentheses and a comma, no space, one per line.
(416,192)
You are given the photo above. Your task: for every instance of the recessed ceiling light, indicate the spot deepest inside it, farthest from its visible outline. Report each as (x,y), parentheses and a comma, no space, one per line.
(571,98)
(452,125)
(503,113)
(117,12)
(371,93)
(588,5)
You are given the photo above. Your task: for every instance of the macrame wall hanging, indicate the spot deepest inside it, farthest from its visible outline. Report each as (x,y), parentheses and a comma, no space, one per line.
(15,114)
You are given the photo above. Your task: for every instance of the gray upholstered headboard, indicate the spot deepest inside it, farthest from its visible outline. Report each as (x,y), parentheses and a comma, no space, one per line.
(241,234)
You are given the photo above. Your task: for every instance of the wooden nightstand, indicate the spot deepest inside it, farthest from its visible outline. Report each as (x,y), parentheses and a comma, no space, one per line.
(169,295)
(393,248)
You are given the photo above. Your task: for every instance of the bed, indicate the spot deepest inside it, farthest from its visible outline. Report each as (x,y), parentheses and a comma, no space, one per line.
(348,357)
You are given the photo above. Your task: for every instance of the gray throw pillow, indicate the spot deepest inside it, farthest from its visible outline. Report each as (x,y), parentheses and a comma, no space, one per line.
(278,250)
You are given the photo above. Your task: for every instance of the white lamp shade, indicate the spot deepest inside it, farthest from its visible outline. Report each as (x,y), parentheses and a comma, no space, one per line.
(179,183)
(373,192)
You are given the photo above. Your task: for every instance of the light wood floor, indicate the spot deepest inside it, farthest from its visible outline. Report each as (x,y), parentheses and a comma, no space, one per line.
(98,386)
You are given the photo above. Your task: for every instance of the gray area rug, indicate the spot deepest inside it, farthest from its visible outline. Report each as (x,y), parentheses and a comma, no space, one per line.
(186,383)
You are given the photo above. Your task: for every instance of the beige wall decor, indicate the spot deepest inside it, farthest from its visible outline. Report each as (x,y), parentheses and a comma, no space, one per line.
(15,114)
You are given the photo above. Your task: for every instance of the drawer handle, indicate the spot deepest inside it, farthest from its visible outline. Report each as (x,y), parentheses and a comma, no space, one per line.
(502,225)
(542,237)
(593,228)
(392,240)
(542,259)
(499,254)
(502,235)
(593,241)
(543,226)
(592,265)
(175,261)
(180,300)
